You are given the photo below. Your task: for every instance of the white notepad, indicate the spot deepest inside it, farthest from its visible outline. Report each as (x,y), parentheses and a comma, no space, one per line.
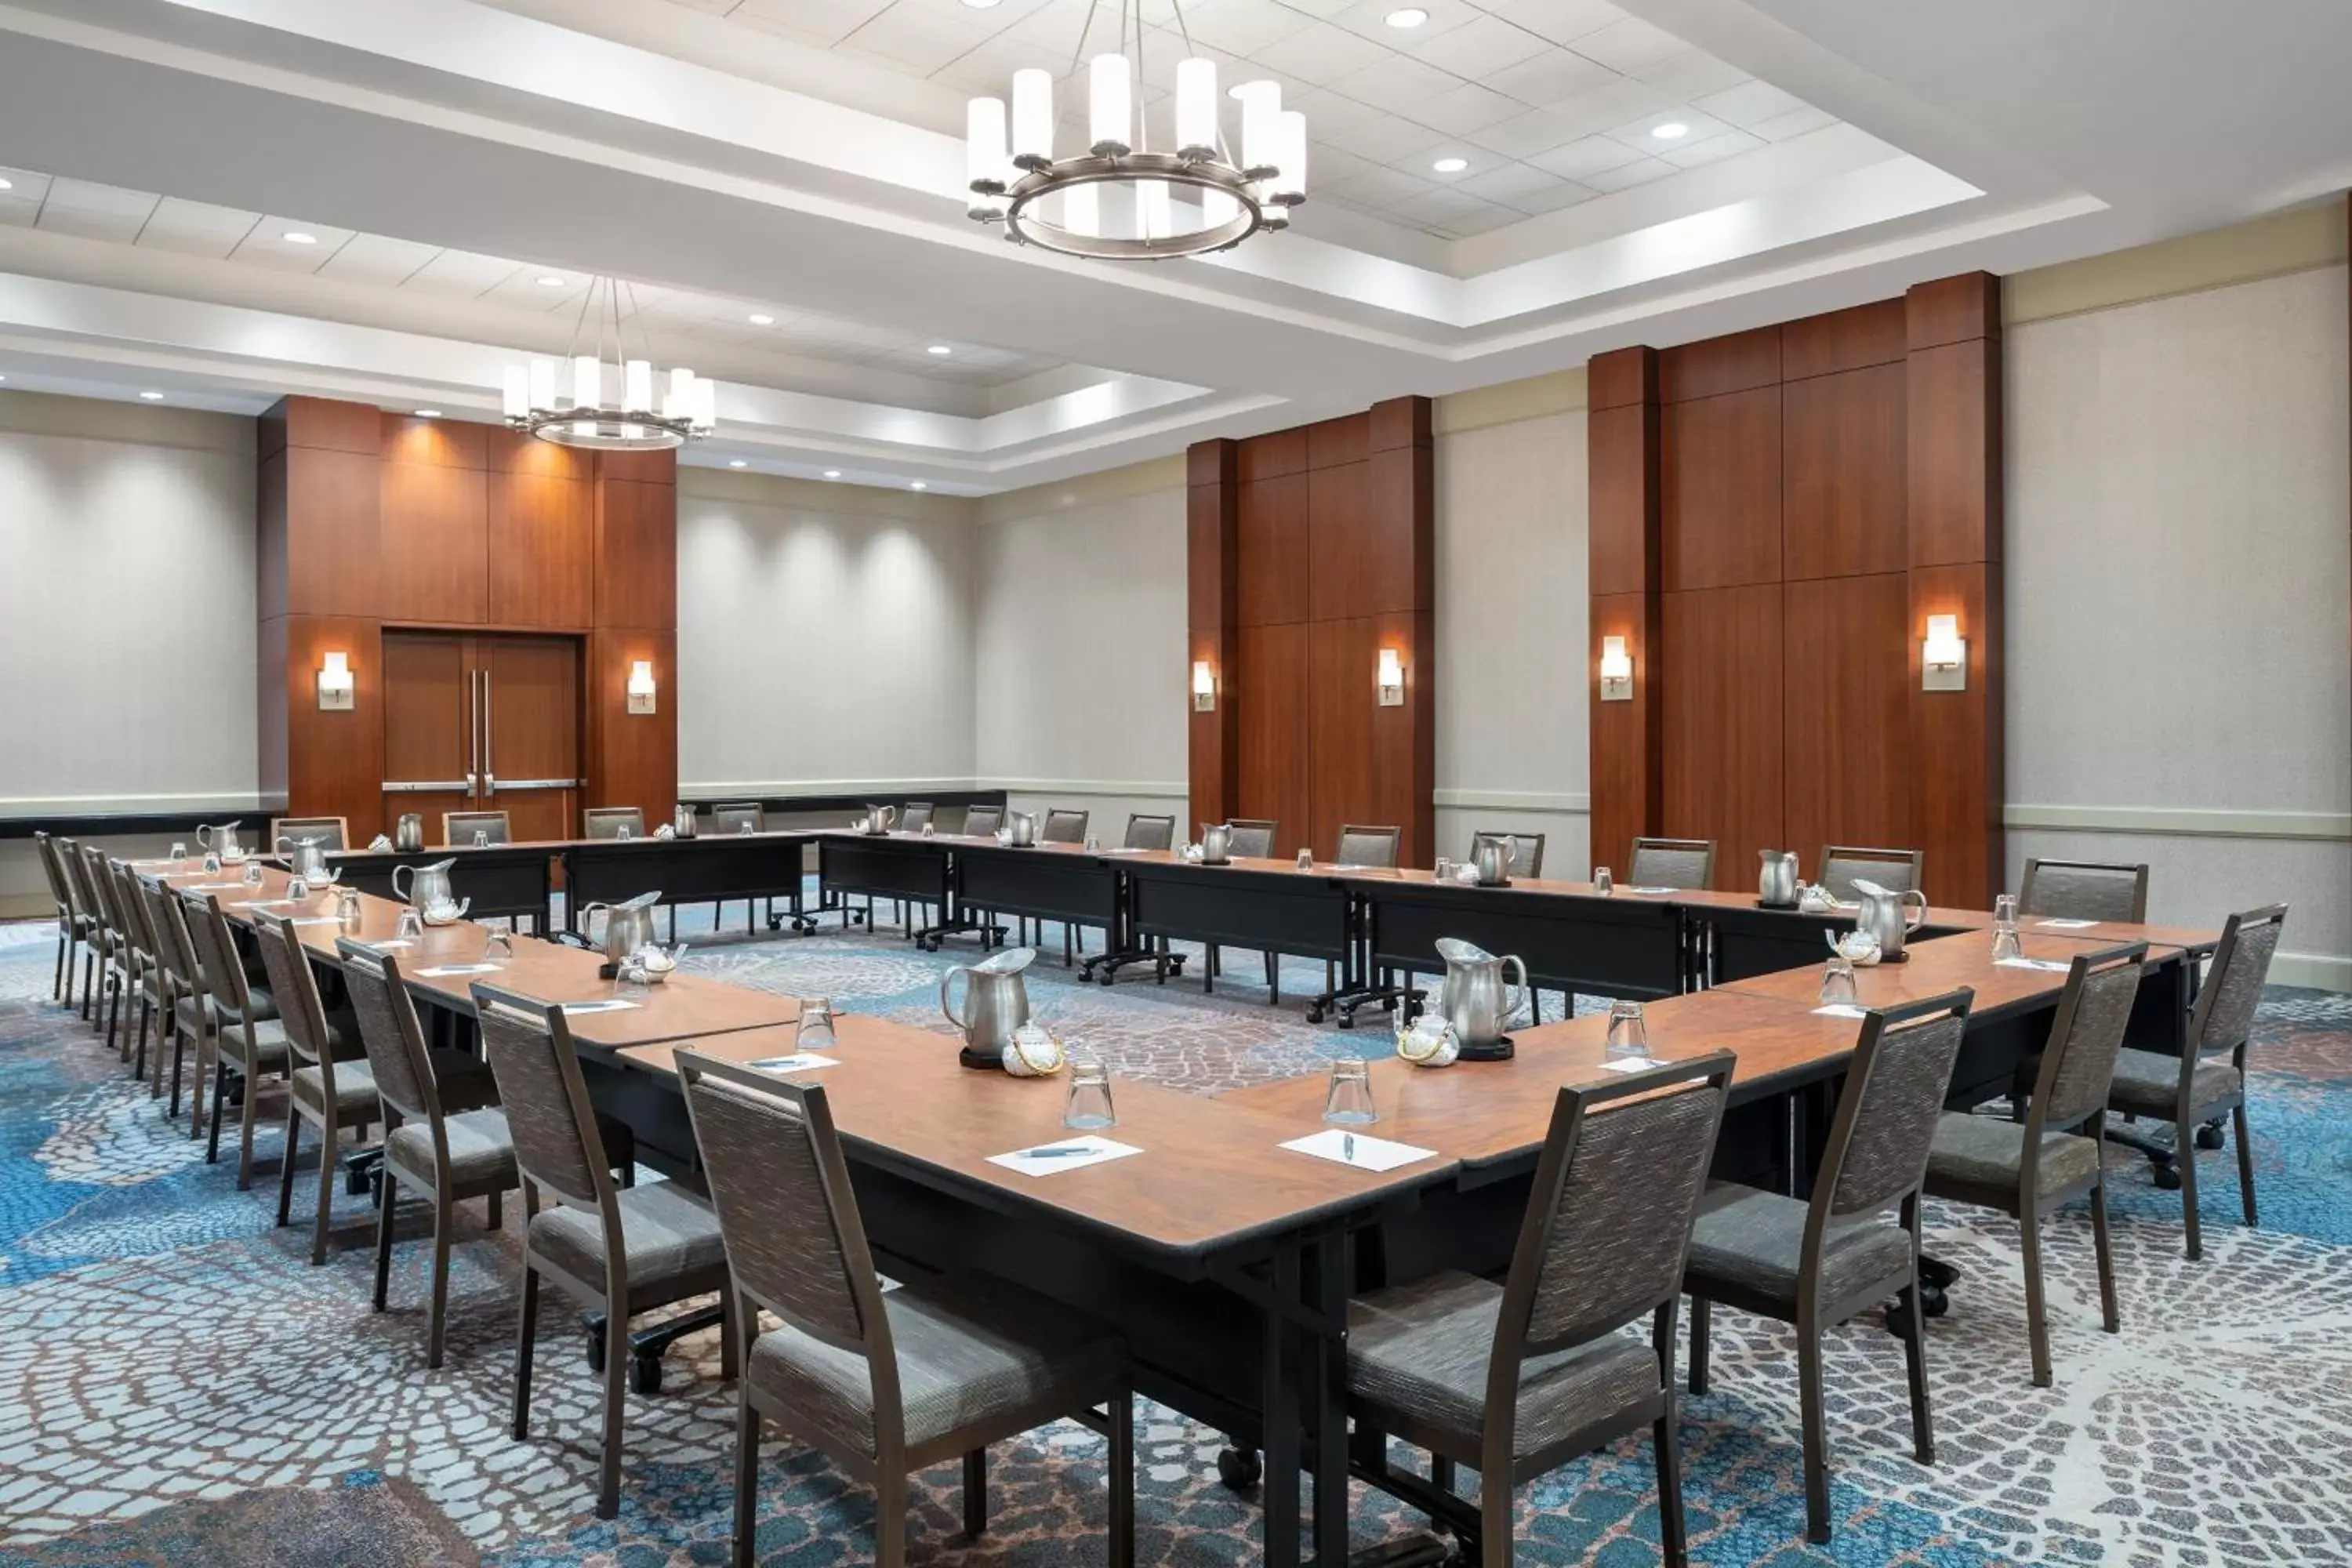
(1630,1064)
(317,920)
(212,887)
(2055,965)
(1090,1150)
(271,903)
(439,969)
(608,1004)
(799,1061)
(1360,1150)
(392,945)
(2055,923)
(1839,1010)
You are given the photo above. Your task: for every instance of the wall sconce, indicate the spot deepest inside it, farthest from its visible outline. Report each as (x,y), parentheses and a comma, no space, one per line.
(1616,671)
(1943,655)
(1204,688)
(1391,678)
(335,684)
(641,686)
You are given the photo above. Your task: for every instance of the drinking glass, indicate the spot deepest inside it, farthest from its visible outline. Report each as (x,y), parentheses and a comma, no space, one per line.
(1628,1034)
(814,1031)
(1307,859)
(930,831)
(1094,844)
(347,905)
(1837,982)
(2005,943)
(1349,1100)
(212,862)
(498,947)
(411,926)
(1444,869)
(253,873)
(1088,1106)
(481,839)
(179,854)
(621,833)
(629,982)
(743,824)
(1604,883)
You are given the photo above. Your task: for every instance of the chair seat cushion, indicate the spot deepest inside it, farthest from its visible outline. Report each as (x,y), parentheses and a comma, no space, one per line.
(355,1098)
(1990,1152)
(1752,1241)
(974,1353)
(2147,1083)
(481,1149)
(669,1232)
(1421,1349)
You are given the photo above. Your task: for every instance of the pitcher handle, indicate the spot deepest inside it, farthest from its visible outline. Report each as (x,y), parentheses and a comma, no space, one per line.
(397,890)
(1911,921)
(948,979)
(1518,999)
(205,835)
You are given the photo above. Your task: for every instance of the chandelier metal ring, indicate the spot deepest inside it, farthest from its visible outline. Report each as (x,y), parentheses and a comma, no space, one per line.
(1024,224)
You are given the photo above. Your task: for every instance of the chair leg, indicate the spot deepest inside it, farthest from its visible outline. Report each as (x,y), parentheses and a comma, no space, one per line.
(2110,1318)
(496,1204)
(445,1221)
(526,1336)
(2245,1161)
(247,1107)
(2184,1160)
(1121,1459)
(286,1165)
(975,1494)
(1495,1518)
(1666,1439)
(57,976)
(328,1142)
(211,1122)
(2037,1319)
(1700,1313)
(890,1521)
(747,1479)
(1915,1361)
(388,1199)
(616,1385)
(1817,1440)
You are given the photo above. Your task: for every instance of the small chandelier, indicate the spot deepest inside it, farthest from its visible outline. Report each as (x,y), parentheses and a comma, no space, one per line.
(587,417)
(1121,199)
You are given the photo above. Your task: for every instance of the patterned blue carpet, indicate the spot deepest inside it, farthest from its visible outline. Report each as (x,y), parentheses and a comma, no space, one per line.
(177,1385)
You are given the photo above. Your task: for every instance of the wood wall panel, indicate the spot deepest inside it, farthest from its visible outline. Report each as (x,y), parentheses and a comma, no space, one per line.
(1622,377)
(543,536)
(443,443)
(1952,310)
(1271,719)
(1624,499)
(1211,515)
(1271,547)
(1847,769)
(1723,724)
(1333,442)
(1625,771)
(1358,556)
(335,759)
(270,538)
(1720,489)
(632,758)
(636,554)
(324,423)
(1957,758)
(1739,363)
(1869,334)
(332,560)
(1842,473)
(1213,752)
(1273,455)
(1953,417)
(1366,770)
(433,540)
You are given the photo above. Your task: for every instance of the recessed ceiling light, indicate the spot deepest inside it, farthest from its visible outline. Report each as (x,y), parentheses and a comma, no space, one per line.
(941,349)
(295,236)
(737,463)
(1450,165)
(1411,17)
(428,414)
(152,397)
(918,485)
(550,281)
(833,473)
(761,318)
(7,185)
(1673,130)
(981,5)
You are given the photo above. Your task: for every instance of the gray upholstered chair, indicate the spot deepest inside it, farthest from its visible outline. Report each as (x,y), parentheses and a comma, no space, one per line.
(918,814)
(90,923)
(883,1385)
(116,974)
(459,829)
(2084,890)
(1896,870)
(619,1251)
(1150,832)
(2209,1079)
(1686,865)
(1526,850)
(1064,826)
(1816,1264)
(610,821)
(331,1094)
(978,820)
(1372,848)
(237,1028)
(149,984)
(181,982)
(61,895)
(332,833)
(1247,839)
(1981,1159)
(445,1138)
(729,817)
(1515,1379)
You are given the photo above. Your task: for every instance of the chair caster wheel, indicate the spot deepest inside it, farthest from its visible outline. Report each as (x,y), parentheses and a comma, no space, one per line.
(1314,1014)
(2169,1177)
(1932,1300)
(645,1375)
(596,1349)
(359,1182)
(2208,1136)
(1898,1319)
(1239,1469)
(1347,1020)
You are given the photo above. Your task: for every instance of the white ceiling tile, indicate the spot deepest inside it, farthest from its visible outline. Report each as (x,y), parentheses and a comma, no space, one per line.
(1435,208)
(93,211)
(1748,104)
(820,22)
(715,7)
(1508,183)
(1476,50)
(1631,44)
(1795,122)
(1467,108)
(920,38)
(1328,165)
(1485,220)
(1380,187)
(1692,74)
(1696,126)
(1331,114)
(1560,193)
(1698,154)
(21,202)
(1551,76)
(1395,83)
(1242,26)
(1640,172)
(1562,21)
(1616,103)
(1370,18)
(1322,54)
(378,259)
(1324,9)
(1582,158)
(1390,141)
(466,273)
(1536,130)
(266,244)
(987,69)
(195,228)
(1163,52)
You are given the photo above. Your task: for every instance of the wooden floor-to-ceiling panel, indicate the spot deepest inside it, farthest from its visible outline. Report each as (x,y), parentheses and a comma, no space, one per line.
(1723,727)
(1270,549)
(1843,461)
(1272,779)
(1847,759)
(430,735)
(1719,480)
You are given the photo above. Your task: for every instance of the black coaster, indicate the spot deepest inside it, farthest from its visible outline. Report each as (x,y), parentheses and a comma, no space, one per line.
(979,1061)
(1792,904)
(1501,1050)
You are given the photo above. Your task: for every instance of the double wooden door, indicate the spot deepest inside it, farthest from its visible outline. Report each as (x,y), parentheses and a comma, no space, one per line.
(483,723)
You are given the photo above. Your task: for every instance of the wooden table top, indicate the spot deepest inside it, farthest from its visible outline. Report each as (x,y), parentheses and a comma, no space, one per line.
(1482,1113)
(1940,965)
(1212,1175)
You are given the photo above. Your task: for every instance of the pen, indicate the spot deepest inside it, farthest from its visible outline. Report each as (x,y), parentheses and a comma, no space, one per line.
(1347,1148)
(1057,1152)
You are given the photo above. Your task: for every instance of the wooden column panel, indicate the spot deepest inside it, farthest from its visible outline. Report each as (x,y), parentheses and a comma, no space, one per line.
(1272,731)
(1722,723)
(332,559)
(1365,767)
(335,759)
(543,535)
(1212,751)
(1270,549)
(1843,459)
(1848,758)
(1624,499)
(1957,762)
(632,758)
(1720,478)
(635,564)
(1626,775)
(435,563)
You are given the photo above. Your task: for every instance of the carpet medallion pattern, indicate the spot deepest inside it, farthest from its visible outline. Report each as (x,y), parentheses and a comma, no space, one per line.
(178,1385)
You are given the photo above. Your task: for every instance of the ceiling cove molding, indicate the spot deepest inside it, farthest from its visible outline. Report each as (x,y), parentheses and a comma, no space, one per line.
(2269,247)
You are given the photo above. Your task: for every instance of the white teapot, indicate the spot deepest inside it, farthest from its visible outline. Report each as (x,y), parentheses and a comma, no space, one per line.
(1429,1041)
(1032,1052)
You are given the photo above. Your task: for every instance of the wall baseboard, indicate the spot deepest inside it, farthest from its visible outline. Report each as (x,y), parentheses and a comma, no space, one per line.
(2321,971)
(2194,823)
(128,804)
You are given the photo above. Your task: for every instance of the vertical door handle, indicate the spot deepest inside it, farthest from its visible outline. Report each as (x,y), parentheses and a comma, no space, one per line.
(489,777)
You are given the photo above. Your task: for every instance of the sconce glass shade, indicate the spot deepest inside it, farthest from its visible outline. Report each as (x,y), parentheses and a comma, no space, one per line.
(1616,671)
(1204,686)
(641,686)
(1943,655)
(1392,678)
(335,683)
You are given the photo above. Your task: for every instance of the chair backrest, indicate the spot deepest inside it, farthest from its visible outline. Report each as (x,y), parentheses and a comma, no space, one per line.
(2078,1064)
(1064,826)
(1895,1087)
(331,832)
(1250,838)
(295,984)
(214,948)
(606,821)
(132,908)
(390,1031)
(173,949)
(1151,832)
(796,1243)
(2224,1018)
(458,827)
(917,814)
(1608,1218)
(53,868)
(1373,848)
(557,1145)
(2084,890)
(729,816)
(75,860)
(1896,870)
(1526,850)
(100,884)
(980,820)
(1685,865)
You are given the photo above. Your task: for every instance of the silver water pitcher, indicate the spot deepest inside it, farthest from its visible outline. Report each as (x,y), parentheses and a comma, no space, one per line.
(221,840)
(681,820)
(1476,999)
(1022,829)
(995,1003)
(628,926)
(409,832)
(1216,844)
(1889,916)
(1776,880)
(1491,859)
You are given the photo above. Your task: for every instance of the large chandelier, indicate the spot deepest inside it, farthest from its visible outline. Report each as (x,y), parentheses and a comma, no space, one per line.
(1122,198)
(584,413)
